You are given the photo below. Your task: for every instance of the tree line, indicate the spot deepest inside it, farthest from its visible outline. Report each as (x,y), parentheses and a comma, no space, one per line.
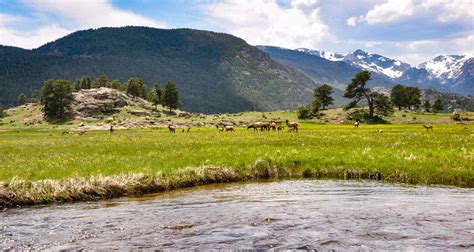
(56,95)
(378,104)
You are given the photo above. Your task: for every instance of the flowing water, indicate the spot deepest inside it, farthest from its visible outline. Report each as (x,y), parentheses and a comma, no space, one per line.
(289,214)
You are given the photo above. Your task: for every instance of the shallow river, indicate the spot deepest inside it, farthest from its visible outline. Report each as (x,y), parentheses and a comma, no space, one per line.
(290,214)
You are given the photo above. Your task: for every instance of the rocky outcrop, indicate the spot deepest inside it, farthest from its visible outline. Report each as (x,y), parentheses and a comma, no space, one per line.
(94,103)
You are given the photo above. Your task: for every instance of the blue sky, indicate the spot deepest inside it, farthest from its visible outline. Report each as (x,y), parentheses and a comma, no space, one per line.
(410,30)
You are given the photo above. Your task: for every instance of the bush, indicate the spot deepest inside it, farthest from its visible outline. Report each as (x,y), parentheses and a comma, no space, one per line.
(304,112)
(2,113)
(456,117)
(363,116)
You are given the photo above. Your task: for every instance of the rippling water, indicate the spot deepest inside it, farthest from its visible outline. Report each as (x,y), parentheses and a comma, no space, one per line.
(305,214)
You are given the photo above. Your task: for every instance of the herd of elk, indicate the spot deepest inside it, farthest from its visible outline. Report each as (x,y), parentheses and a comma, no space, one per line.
(256,126)
(266,126)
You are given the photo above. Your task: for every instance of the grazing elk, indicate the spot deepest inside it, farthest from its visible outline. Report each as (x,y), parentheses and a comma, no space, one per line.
(82,132)
(255,126)
(172,128)
(229,128)
(428,127)
(292,126)
(356,124)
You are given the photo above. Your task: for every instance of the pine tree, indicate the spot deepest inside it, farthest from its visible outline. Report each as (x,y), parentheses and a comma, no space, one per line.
(427,105)
(437,105)
(323,94)
(57,99)
(22,99)
(357,91)
(399,96)
(136,87)
(382,104)
(155,95)
(101,81)
(171,96)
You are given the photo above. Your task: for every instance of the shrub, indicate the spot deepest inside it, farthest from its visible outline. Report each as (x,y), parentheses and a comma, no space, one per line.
(304,112)
(363,116)
(456,117)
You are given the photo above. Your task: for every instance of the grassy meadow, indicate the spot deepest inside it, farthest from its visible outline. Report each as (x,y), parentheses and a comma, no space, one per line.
(41,165)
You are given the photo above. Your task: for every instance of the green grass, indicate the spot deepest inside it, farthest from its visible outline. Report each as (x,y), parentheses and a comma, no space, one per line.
(40,165)
(402,153)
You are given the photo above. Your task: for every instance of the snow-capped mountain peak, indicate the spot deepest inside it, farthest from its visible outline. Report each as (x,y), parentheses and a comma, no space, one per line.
(445,66)
(332,56)
(377,63)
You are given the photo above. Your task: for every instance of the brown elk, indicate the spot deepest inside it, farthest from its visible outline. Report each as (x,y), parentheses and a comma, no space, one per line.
(428,127)
(356,124)
(172,128)
(255,126)
(229,128)
(82,132)
(280,128)
(292,126)
(111,129)
(273,126)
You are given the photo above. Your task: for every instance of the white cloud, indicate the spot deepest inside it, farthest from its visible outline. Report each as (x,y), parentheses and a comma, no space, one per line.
(264,22)
(352,21)
(91,14)
(396,10)
(54,19)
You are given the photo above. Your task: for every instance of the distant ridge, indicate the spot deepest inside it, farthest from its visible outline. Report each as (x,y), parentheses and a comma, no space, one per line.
(215,72)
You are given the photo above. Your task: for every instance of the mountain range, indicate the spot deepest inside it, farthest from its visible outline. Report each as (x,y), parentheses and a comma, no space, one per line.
(216,72)
(449,73)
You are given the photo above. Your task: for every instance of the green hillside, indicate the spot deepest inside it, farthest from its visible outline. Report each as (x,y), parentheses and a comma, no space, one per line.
(215,72)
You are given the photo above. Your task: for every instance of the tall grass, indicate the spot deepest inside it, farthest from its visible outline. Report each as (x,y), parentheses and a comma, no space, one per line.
(45,166)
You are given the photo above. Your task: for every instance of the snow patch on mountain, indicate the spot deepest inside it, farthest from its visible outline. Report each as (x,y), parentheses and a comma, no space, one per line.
(332,56)
(445,66)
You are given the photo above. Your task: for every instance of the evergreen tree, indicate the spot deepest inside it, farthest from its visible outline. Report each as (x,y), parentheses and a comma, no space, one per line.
(116,84)
(35,96)
(399,96)
(101,81)
(86,82)
(22,99)
(414,97)
(427,105)
(323,95)
(77,85)
(357,91)
(155,95)
(438,105)
(382,104)
(136,87)
(57,99)
(171,96)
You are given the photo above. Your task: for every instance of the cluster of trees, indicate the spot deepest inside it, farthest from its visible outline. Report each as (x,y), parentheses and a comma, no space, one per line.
(57,97)
(410,98)
(379,105)
(406,97)
(436,106)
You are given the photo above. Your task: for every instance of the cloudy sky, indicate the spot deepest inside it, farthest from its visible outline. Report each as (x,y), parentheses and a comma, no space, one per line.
(411,30)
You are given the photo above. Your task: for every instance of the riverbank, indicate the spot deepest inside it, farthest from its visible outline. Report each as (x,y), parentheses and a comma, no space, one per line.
(40,167)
